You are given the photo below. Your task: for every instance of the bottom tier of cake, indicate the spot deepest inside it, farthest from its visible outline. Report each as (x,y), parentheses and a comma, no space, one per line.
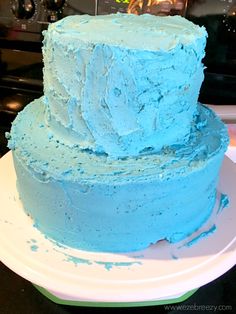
(95,203)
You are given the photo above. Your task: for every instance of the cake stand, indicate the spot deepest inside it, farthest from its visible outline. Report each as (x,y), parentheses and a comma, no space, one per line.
(163,273)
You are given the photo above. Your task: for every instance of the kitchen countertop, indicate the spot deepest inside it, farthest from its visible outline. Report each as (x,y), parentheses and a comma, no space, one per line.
(18,296)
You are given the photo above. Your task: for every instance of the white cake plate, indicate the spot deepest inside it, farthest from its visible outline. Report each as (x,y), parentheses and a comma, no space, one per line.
(163,273)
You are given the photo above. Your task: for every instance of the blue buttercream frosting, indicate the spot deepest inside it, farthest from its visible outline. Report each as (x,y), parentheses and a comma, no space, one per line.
(40,149)
(96,203)
(118,154)
(126,87)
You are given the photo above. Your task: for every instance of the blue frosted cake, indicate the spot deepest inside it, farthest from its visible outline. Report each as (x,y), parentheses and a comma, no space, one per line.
(118,154)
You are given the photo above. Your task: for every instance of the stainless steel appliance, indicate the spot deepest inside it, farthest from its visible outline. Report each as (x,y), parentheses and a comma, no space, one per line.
(22,23)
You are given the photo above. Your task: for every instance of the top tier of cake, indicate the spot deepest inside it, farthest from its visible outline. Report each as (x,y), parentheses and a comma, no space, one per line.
(122,85)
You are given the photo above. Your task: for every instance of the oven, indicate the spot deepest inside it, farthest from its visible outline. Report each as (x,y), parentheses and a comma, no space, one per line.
(20,83)
(22,23)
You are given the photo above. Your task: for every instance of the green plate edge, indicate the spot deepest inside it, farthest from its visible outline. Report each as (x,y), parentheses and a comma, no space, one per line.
(57,300)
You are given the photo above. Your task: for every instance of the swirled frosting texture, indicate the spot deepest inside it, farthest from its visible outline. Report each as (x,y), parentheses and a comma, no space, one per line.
(123,84)
(96,203)
(119,86)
